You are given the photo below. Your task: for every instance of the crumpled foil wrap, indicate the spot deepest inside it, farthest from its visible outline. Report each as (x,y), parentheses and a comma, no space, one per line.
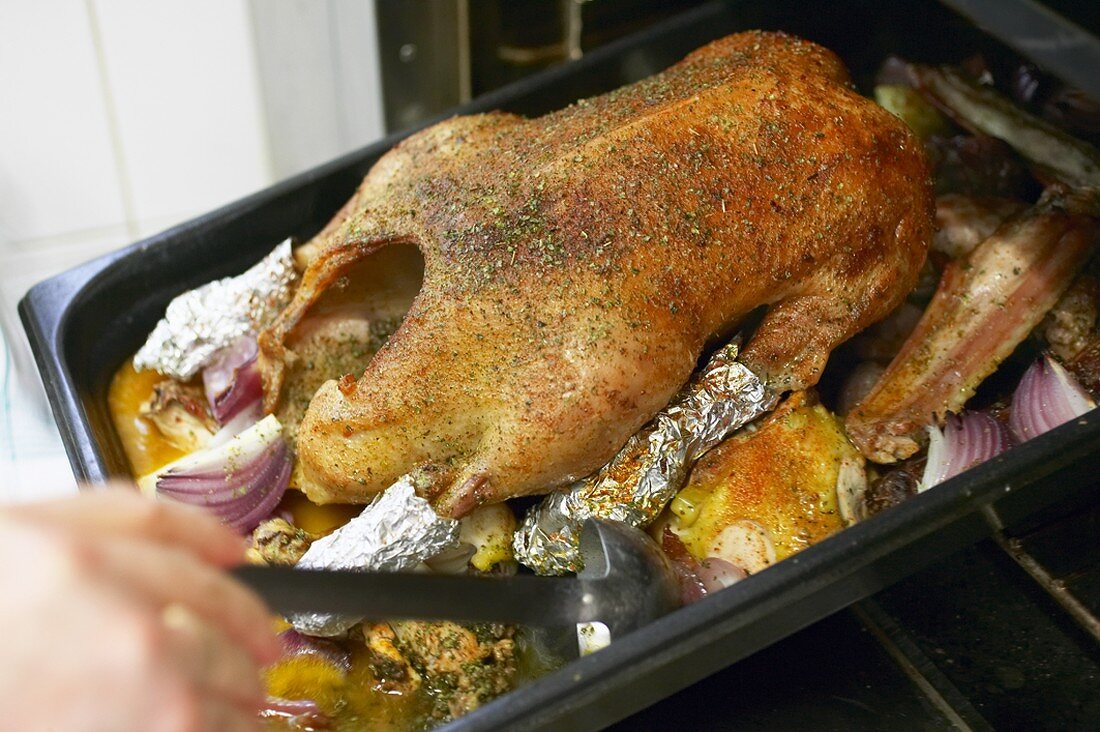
(397,531)
(201,322)
(653,465)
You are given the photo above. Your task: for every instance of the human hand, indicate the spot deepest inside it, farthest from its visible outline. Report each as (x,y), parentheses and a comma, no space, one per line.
(117,617)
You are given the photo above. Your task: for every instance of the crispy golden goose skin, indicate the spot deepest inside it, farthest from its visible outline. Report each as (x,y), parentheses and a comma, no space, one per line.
(575,266)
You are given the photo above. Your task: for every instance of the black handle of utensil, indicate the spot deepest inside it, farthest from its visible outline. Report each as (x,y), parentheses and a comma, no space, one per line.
(522,599)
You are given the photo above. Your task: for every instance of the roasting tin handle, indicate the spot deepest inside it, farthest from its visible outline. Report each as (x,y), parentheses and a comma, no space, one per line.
(1059,46)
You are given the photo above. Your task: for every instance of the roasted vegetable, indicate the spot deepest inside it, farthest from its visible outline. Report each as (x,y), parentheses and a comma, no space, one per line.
(180,413)
(983,109)
(1046,397)
(764,494)
(966,440)
(894,487)
(1070,326)
(489,530)
(240,480)
(910,107)
(232,381)
(963,222)
(976,165)
(1085,367)
(882,341)
(696,578)
(985,306)
(278,542)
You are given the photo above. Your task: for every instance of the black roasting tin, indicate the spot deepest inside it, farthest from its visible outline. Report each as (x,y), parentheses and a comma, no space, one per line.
(84,323)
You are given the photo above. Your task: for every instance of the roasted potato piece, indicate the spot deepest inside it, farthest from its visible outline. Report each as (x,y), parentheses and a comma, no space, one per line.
(763,495)
(489,530)
(278,542)
(910,107)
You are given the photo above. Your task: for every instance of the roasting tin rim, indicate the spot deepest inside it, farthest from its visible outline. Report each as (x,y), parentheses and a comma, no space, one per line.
(679,649)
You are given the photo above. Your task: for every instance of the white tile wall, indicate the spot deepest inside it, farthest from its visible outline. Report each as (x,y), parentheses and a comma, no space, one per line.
(33,465)
(120,118)
(141,114)
(321,77)
(57,168)
(182,78)
(124,112)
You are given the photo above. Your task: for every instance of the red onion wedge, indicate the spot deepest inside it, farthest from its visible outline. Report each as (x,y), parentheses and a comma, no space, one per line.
(232,382)
(966,440)
(241,481)
(238,424)
(297,644)
(718,574)
(300,714)
(697,579)
(684,566)
(1046,397)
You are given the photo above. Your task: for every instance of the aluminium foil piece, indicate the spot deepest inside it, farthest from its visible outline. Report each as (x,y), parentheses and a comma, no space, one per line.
(653,465)
(396,532)
(201,322)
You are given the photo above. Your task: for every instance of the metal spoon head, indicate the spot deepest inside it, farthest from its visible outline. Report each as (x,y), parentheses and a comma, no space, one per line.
(634,583)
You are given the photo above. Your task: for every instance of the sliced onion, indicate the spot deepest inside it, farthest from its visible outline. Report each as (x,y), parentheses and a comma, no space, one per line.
(217,377)
(1046,397)
(698,579)
(967,440)
(718,574)
(238,424)
(455,560)
(685,566)
(241,480)
(302,714)
(297,644)
(232,382)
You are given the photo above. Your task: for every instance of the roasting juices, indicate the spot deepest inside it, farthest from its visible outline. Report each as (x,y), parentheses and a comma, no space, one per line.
(397,676)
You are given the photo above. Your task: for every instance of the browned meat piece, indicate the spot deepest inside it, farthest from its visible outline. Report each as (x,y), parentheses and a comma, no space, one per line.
(278,542)
(964,222)
(461,667)
(576,265)
(976,165)
(1070,326)
(1086,367)
(392,671)
(987,303)
(181,413)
